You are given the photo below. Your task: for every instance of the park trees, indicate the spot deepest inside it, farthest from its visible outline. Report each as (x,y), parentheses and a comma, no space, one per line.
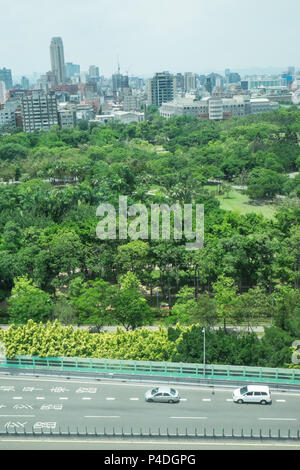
(27,301)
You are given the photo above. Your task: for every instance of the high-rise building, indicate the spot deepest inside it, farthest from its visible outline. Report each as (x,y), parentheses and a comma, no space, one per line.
(179,82)
(58,59)
(72,69)
(94,71)
(8,113)
(161,88)
(24,83)
(234,77)
(6,77)
(189,81)
(39,111)
(2,92)
(116,82)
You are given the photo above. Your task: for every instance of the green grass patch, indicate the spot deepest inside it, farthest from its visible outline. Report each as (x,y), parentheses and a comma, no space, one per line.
(237,201)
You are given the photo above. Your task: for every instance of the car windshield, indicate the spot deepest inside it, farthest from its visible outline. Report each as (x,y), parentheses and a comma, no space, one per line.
(243,390)
(172,391)
(154,391)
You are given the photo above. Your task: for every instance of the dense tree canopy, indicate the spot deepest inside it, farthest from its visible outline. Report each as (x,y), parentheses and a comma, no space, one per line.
(248,268)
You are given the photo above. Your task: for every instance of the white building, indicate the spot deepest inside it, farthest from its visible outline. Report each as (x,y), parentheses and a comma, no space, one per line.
(7,113)
(67,116)
(181,106)
(122,116)
(2,92)
(130,103)
(262,105)
(189,81)
(130,116)
(217,109)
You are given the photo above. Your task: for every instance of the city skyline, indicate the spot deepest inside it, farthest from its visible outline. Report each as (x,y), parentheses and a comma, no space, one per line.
(200,38)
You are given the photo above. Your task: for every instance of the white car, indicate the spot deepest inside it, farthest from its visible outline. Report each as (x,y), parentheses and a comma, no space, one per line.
(162,395)
(252,394)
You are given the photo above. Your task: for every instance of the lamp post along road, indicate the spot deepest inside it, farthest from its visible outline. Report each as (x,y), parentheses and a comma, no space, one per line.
(203,331)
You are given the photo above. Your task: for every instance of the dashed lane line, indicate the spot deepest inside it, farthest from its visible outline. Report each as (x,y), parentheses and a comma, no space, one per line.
(17,416)
(97,416)
(188,417)
(277,419)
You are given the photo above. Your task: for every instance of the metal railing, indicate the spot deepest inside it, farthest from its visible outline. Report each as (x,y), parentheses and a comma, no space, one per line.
(155,369)
(261,434)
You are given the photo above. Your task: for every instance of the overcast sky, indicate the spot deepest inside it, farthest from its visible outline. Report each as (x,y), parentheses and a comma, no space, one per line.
(151,35)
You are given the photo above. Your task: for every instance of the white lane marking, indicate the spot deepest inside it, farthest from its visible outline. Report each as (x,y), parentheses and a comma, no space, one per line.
(206,399)
(48,425)
(277,419)
(102,416)
(133,399)
(17,416)
(188,417)
(229,399)
(183,399)
(22,407)
(281,401)
(17,398)
(31,389)
(40,398)
(51,407)
(110,398)
(64,398)
(86,398)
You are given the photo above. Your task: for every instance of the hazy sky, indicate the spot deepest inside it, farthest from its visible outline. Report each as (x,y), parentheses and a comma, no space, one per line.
(151,35)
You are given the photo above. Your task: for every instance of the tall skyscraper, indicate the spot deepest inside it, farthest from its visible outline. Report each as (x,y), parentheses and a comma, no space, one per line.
(6,77)
(161,88)
(58,59)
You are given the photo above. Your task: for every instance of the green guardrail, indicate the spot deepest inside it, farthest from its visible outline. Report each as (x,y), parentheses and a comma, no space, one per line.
(160,369)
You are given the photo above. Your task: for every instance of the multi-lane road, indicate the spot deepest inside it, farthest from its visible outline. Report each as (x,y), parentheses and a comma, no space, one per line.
(55,404)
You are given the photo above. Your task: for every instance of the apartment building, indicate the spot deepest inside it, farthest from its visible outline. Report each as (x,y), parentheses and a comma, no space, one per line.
(39,111)
(8,113)
(161,88)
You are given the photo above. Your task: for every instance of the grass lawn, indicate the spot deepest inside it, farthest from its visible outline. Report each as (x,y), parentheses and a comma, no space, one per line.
(239,202)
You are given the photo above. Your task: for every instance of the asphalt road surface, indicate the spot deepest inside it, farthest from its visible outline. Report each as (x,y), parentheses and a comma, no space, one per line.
(58,404)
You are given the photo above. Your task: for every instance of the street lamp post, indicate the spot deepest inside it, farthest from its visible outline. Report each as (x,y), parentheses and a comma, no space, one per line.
(203,331)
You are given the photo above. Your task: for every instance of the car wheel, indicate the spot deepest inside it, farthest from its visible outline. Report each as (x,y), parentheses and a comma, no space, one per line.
(263,402)
(240,402)
(170,401)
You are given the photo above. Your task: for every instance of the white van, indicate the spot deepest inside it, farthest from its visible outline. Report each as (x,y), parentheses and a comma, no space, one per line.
(252,394)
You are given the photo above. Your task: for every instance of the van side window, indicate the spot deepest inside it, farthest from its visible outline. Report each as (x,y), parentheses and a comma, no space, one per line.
(249,394)
(257,394)
(264,393)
